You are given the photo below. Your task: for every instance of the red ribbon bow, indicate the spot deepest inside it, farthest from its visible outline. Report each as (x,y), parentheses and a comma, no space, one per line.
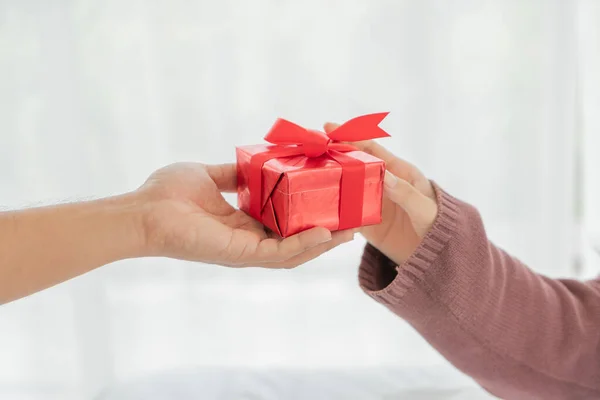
(292,140)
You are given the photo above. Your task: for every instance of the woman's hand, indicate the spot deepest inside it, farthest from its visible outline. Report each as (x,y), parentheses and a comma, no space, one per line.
(409,205)
(186,217)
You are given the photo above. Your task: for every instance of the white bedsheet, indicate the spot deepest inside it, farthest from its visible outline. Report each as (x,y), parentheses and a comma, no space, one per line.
(229,384)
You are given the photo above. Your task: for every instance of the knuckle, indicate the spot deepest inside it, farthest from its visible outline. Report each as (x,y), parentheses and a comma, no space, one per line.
(394,165)
(404,191)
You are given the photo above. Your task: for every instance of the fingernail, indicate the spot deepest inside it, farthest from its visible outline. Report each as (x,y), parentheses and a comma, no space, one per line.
(389,180)
(330,126)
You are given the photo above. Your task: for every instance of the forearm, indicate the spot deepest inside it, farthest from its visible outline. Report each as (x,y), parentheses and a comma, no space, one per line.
(519,334)
(41,247)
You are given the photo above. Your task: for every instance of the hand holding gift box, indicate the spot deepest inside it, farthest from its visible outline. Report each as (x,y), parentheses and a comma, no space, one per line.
(307,178)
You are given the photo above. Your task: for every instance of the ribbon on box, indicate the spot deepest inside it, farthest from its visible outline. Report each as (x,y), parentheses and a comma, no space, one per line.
(293,140)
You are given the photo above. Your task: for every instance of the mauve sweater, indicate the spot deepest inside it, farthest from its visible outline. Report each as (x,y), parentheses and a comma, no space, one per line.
(520,335)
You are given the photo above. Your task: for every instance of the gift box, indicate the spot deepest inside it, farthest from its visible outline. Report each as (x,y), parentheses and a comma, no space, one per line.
(306,178)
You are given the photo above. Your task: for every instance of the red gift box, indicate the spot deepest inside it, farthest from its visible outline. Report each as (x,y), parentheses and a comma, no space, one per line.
(307,178)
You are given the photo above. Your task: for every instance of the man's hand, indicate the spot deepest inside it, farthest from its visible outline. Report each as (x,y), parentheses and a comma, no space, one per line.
(179,212)
(409,205)
(186,217)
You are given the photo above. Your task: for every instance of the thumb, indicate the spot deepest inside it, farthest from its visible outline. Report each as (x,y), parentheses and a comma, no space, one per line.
(224,176)
(421,209)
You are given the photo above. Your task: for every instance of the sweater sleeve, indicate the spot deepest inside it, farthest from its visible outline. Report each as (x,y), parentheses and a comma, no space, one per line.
(519,334)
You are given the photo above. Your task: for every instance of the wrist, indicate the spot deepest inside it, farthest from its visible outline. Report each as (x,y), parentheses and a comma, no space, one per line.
(129,212)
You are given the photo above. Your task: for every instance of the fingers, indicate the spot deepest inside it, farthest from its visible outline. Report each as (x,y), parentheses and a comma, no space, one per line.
(338,238)
(421,209)
(224,176)
(393,164)
(277,250)
(397,166)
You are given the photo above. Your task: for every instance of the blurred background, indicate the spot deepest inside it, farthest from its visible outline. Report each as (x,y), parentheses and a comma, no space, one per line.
(496,100)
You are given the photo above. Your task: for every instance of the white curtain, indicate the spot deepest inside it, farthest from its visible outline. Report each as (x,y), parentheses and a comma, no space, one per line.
(495,100)
(588,124)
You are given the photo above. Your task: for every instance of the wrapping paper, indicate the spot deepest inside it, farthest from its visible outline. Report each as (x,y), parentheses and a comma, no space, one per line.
(307,178)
